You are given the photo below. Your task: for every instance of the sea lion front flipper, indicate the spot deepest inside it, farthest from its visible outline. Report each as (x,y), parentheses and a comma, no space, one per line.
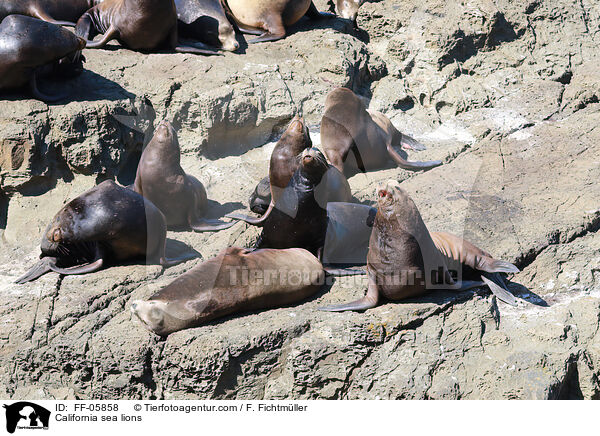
(491,265)
(79,269)
(411,165)
(367,302)
(45,17)
(110,34)
(498,288)
(169,262)
(274,30)
(36,271)
(196,47)
(206,225)
(343,272)
(35,91)
(250,220)
(410,143)
(315,14)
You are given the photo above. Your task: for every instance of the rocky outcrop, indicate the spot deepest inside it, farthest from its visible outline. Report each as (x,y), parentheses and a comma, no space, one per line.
(505,92)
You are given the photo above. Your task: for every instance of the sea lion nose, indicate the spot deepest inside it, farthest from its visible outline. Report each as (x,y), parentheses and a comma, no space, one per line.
(133,307)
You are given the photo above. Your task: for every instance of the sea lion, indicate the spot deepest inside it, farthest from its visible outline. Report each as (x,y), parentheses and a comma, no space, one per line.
(348,126)
(107,224)
(269,18)
(59,12)
(237,280)
(159,178)
(30,48)
(347,9)
(406,260)
(136,24)
(206,21)
(283,164)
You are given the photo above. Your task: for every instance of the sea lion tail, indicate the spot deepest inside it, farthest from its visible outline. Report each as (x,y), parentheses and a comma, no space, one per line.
(36,271)
(367,302)
(498,288)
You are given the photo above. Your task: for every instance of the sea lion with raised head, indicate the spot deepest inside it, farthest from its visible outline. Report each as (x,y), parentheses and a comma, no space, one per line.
(237,280)
(285,160)
(269,18)
(356,139)
(30,48)
(59,12)
(159,178)
(406,260)
(136,24)
(206,21)
(108,224)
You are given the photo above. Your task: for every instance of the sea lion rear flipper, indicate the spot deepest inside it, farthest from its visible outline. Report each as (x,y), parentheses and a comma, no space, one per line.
(36,271)
(45,17)
(498,288)
(367,302)
(315,14)
(206,225)
(79,269)
(40,95)
(496,266)
(411,165)
(410,143)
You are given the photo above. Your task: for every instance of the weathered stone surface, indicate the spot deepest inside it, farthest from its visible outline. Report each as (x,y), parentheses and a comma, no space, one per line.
(505,92)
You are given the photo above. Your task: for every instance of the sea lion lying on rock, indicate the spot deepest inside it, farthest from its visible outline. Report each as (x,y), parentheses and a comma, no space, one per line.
(237,280)
(107,224)
(406,260)
(59,12)
(206,21)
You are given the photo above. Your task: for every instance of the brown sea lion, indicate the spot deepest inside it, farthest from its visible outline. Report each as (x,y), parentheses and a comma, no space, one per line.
(136,24)
(30,48)
(59,12)
(206,21)
(237,280)
(406,260)
(160,179)
(269,18)
(285,160)
(347,9)
(356,139)
(108,224)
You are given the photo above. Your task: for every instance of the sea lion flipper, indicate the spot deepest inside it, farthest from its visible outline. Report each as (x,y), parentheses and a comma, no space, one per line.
(37,13)
(172,261)
(250,220)
(206,225)
(342,272)
(410,143)
(79,269)
(411,165)
(367,302)
(195,47)
(36,271)
(498,288)
(497,266)
(110,34)
(35,91)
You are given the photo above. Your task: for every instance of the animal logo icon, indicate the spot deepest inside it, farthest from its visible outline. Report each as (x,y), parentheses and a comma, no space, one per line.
(24,414)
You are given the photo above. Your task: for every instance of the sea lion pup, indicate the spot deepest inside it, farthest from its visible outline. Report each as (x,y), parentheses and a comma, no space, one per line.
(348,126)
(237,280)
(269,18)
(105,225)
(284,163)
(205,20)
(159,178)
(347,9)
(30,48)
(136,24)
(406,260)
(59,12)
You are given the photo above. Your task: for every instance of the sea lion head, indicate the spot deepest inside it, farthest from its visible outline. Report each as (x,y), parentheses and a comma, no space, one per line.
(165,140)
(158,316)
(314,164)
(390,198)
(227,38)
(297,132)
(347,9)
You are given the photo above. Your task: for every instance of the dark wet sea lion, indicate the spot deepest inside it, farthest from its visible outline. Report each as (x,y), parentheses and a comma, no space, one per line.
(406,260)
(105,225)
(159,178)
(59,12)
(285,160)
(136,24)
(237,280)
(269,18)
(29,48)
(355,139)
(206,21)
